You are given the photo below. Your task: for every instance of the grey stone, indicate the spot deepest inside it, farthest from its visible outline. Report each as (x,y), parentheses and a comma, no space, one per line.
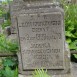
(14,7)
(42,39)
(67,75)
(74,69)
(47,29)
(73,72)
(50,72)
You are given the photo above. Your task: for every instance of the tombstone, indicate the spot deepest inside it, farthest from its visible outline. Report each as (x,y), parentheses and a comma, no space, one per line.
(40,26)
(1,21)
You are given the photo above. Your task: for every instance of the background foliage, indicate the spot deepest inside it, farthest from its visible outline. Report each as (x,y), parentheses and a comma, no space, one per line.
(7,45)
(70,24)
(10,68)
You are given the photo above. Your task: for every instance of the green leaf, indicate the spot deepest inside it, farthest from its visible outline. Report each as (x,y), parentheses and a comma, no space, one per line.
(68,40)
(11,62)
(69,34)
(75,33)
(8,62)
(6,23)
(10,73)
(73,45)
(75,55)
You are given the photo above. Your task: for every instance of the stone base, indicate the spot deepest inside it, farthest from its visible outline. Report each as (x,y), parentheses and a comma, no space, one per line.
(72,74)
(74,69)
(67,75)
(50,72)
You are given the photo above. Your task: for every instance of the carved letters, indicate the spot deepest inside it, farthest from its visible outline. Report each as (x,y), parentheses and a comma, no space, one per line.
(41,40)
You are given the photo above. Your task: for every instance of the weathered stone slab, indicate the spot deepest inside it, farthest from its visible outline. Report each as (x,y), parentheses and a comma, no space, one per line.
(47,29)
(42,40)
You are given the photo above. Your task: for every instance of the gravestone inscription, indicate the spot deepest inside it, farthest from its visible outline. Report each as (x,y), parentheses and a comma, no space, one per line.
(44,37)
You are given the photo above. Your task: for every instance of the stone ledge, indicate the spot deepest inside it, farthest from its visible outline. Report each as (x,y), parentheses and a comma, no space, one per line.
(67,75)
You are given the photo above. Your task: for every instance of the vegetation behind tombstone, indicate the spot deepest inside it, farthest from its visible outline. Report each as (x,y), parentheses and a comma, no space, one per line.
(4,12)
(6,45)
(8,65)
(71,25)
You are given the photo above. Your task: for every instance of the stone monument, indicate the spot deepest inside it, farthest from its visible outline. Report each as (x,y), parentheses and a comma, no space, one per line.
(40,28)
